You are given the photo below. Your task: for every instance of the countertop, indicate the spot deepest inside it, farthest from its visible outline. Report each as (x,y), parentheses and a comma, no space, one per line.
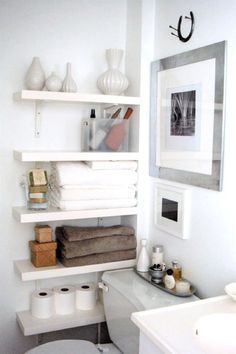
(172,328)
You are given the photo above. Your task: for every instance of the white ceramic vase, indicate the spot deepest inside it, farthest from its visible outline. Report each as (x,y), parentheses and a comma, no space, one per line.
(69,84)
(35,77)
(112,81)
(53,82)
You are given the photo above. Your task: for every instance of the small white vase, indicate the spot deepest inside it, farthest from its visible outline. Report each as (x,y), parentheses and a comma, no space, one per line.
(35,77)
(69,84)
(112,81)
(53,82)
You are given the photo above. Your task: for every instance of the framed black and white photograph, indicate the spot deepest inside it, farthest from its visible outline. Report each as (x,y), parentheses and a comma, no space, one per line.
(172,209)
(186,118)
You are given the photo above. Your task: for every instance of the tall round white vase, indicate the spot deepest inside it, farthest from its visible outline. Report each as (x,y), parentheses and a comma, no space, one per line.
(35,77)
(112,81)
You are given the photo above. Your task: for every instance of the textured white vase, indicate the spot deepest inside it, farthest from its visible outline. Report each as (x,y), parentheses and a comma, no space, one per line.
(35,77)
(112,81)
(69,84)
(53,82)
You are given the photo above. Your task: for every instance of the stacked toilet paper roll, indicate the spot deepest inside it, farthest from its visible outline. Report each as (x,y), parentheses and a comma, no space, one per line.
(86,296)
(64,299)
(42,303)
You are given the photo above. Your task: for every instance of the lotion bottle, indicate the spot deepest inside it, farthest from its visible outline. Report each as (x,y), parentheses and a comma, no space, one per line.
(143,262)
(169,280)
(92,130)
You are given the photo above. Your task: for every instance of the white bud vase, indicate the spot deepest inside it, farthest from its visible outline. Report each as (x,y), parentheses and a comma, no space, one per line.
(35,77)
(53,82)
(69,84)
(112,81)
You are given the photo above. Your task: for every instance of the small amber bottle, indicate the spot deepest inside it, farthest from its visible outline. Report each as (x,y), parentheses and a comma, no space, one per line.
(177,270)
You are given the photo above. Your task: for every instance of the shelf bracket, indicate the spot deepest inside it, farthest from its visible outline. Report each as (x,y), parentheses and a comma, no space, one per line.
(38,115)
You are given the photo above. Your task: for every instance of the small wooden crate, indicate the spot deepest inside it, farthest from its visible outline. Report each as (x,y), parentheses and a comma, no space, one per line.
(43,254)
(43,233)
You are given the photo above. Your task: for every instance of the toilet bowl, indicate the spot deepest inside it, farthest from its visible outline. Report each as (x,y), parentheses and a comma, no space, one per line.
(67,346)
(124,292)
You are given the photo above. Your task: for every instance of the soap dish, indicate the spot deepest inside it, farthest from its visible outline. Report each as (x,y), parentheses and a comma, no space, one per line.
(230,289)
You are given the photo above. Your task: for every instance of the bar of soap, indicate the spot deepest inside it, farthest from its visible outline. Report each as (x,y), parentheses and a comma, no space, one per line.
(182,286)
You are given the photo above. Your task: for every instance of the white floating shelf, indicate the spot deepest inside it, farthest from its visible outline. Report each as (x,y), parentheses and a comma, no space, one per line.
(31,325)
(35,156)
(74,97)
(23,215)
(28,271)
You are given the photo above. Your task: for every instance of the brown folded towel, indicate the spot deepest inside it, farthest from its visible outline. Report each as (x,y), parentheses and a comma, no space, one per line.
(95,245)
(99,258)
(75,233)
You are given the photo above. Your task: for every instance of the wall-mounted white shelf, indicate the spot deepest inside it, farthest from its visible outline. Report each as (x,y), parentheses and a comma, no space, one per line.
(23,215)
(31,325)
(74,97)
(28,271)
(36,156)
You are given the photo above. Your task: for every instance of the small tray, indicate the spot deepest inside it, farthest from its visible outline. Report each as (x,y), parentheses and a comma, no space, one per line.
(146,276)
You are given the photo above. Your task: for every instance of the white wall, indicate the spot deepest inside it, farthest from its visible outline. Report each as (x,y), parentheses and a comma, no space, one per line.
(209,256)
(57,32)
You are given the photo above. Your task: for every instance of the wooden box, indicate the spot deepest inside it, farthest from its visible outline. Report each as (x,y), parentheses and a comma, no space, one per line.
(43,233)
(43,254)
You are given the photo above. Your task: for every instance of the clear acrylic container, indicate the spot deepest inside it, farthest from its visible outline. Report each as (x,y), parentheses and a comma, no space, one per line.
(36,196)
(105,134)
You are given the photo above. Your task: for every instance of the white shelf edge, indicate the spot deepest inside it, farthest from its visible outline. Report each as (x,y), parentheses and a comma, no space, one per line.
(74,97)
(46,156)
(28,272)
(31,325)
(24,215)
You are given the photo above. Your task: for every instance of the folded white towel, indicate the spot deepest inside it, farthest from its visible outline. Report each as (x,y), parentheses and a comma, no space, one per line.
(90,192)
(93,204)
(112,165)
(79,173)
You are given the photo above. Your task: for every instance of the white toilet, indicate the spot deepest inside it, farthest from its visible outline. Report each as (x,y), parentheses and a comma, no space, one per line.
(124,292)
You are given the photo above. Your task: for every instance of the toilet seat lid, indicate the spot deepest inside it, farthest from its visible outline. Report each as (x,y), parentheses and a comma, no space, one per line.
(68,346)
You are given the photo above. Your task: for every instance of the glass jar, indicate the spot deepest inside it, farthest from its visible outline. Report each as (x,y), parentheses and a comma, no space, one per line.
(177,270)
(157,254)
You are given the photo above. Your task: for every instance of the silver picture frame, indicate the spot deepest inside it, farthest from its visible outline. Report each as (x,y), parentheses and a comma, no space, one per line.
(187,117)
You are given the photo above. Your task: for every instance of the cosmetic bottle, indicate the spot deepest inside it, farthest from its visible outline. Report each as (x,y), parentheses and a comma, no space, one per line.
(85,131)
(177,270)
(169,280)
(143,262)
(92,130)
(157,254)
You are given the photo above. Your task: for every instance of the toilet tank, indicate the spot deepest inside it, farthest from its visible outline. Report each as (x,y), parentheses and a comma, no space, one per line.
(127,293)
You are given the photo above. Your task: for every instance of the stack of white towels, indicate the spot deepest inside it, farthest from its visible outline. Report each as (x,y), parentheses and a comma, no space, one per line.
(93,185)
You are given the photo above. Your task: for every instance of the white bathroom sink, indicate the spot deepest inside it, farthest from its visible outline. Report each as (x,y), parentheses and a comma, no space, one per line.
(173,329)
(215,333)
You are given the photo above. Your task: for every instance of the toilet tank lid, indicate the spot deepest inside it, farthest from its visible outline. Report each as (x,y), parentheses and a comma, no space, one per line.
(139,292)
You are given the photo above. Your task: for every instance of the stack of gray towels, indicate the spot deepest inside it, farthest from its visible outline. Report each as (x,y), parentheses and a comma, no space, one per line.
(79,246)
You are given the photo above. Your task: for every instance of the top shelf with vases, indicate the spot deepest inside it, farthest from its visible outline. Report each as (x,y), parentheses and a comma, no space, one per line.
(29,95)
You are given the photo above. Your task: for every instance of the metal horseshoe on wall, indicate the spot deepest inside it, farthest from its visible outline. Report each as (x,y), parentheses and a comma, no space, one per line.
(178,30)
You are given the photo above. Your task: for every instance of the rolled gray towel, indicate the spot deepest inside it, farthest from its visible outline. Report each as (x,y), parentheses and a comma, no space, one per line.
(76,233)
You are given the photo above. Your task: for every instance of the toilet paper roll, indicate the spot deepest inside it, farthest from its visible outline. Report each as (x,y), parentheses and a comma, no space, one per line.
(64,299)
(86,296)
(42,303)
